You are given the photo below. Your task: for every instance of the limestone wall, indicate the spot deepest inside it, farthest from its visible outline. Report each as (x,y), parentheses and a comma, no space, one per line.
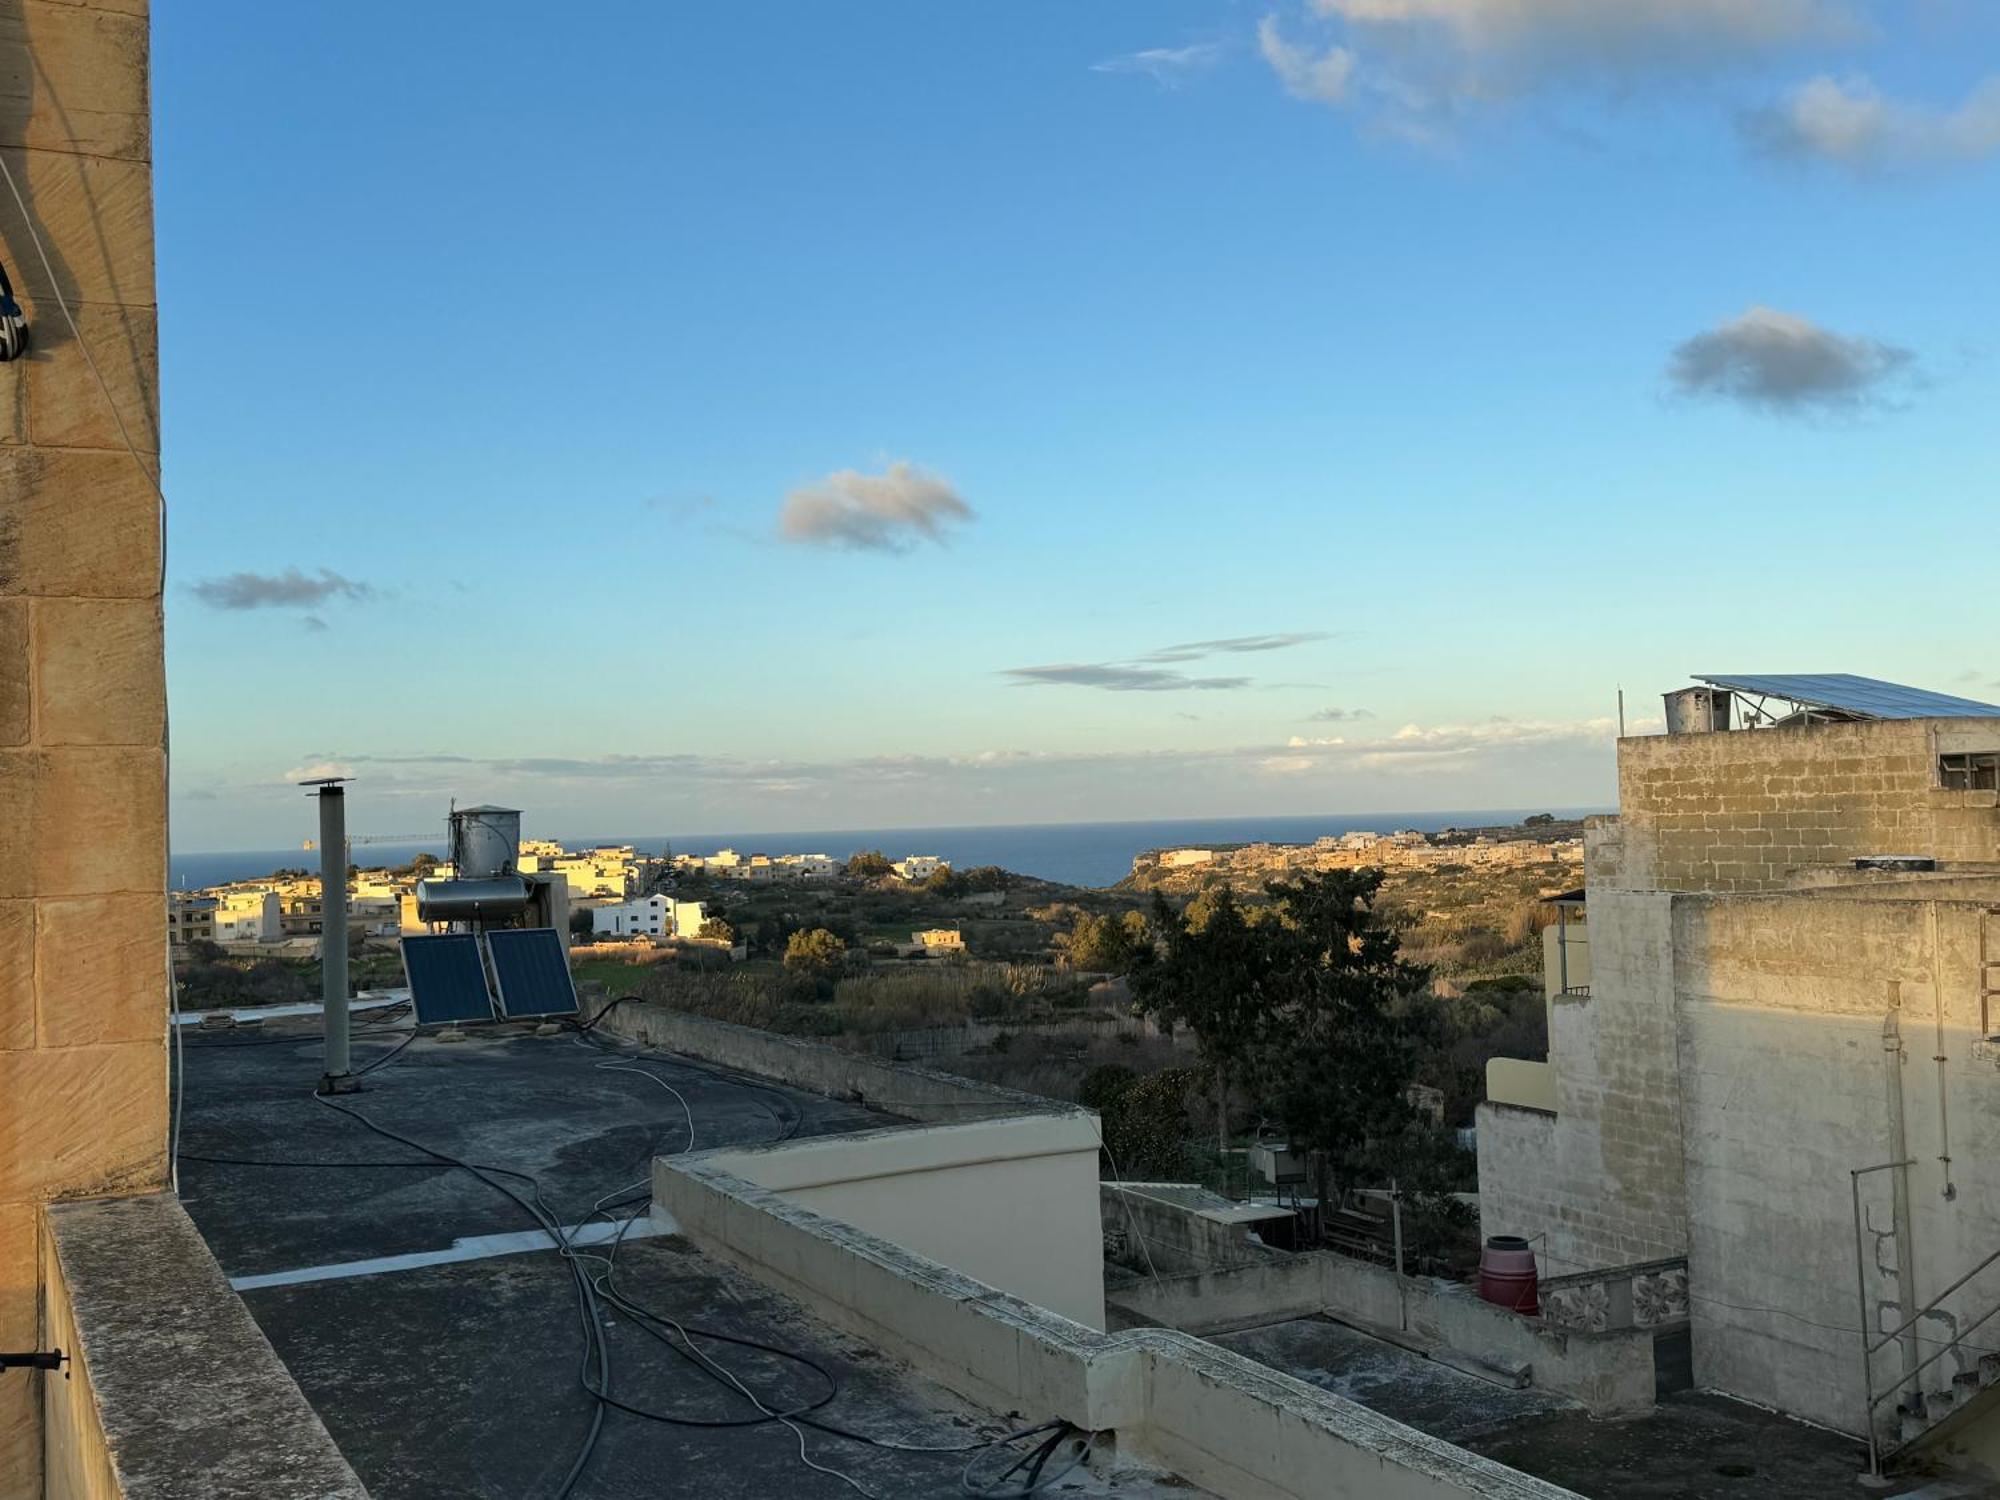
(82,700)
(1782,1002)
(1741,811)
(1600,1182)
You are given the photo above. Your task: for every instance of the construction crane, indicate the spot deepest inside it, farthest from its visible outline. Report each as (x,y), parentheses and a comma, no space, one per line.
(381,838)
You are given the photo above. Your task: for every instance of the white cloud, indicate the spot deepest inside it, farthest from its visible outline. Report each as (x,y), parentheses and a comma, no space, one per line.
(1412,746)
(1417,68)
(886,512)
(1169,67)
(1317,76)
(1776,361)
(318,770)
(1541,35)
(1849,122)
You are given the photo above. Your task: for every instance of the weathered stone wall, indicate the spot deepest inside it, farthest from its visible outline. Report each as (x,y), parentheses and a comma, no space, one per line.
(82,696)
(1787,1083)
(1599,1183)
(1741,811)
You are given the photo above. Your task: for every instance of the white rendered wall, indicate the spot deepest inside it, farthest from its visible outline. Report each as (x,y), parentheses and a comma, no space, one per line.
(1010,1202)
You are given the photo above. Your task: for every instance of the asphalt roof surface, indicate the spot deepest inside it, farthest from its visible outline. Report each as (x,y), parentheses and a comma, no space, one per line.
(460,1377)
(1694,1445)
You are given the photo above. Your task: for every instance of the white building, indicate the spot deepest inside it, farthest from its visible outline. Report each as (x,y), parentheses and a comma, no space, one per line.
(650,916)
(915,867)
(600,872)
(248,916)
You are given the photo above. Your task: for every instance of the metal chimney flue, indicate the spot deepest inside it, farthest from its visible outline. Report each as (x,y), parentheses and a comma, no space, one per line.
(333,984)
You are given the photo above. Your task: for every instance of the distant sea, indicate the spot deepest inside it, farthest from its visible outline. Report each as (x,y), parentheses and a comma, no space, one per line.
(1087,854)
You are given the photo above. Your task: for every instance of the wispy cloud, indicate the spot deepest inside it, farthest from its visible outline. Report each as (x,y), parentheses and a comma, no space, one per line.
(1411,750)
(1317,75)
(1150,673)
(1117,679)
(290,589)
(1234,645)
(1778,362)
(887,512)
(1169,67)
(1850,123)
(1338,715)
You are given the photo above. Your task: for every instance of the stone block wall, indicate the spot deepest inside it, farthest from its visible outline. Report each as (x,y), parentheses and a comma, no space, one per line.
(1743,811)
(83,1083)
(1783,1002)
(1600,1181)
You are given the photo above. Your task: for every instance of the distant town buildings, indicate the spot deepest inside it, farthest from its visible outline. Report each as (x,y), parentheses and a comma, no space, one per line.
(1405,849)
(916,867)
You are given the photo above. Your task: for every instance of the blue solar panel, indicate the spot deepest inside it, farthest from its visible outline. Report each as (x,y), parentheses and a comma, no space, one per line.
(533,972)
(1867,696)
(447,979)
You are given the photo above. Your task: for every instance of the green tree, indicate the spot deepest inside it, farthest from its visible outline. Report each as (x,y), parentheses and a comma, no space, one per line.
(869,864)
(814,952)
(988,878)
(717,929)
(1220,973)
(1107,944)
(1352,1021)
(581,923)
(946,883)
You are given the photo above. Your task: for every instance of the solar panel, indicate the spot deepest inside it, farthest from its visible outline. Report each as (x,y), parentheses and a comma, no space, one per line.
(533,972)
(447,979)
(1868,696)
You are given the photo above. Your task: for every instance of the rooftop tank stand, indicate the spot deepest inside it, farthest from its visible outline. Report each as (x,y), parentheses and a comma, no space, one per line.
(339,1077)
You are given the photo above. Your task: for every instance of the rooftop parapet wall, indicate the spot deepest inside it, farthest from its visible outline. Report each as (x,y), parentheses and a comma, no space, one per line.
(1746,810)
(906,1089)
(1232,1426)
(173,1390)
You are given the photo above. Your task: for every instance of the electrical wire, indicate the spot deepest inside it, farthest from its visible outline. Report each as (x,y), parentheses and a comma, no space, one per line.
(1034,1461)
(602,1289)
(387,1057)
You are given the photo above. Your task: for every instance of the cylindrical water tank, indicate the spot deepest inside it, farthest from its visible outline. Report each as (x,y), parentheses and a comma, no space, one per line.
(485,841)
(1507,1275)
(471,900)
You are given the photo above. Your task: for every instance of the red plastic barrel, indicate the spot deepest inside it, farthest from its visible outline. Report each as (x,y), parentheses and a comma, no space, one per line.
(1507,1275)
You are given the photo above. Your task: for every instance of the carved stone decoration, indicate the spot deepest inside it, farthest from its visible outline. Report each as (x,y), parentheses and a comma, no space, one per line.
(1585,1306)
(1660,1297)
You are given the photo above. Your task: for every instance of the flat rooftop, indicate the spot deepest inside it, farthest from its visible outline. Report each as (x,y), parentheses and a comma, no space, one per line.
(1693,1445)
(438,1338)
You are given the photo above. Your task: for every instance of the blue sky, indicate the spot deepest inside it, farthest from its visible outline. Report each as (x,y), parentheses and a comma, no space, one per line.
(789,416)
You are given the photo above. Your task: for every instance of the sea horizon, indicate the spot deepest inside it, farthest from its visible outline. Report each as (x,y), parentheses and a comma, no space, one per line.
(1079,854)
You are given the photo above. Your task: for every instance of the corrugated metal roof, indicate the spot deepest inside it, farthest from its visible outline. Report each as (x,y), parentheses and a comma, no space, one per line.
(1869,697)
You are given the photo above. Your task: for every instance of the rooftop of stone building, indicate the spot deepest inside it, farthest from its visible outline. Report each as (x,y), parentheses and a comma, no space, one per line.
(436,1332)
(1692,1445)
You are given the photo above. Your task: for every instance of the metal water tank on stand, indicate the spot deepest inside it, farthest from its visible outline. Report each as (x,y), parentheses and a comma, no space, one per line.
(484,888)
(485,841)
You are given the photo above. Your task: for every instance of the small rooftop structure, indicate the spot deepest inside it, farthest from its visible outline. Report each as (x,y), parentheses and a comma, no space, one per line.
(1808,697)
